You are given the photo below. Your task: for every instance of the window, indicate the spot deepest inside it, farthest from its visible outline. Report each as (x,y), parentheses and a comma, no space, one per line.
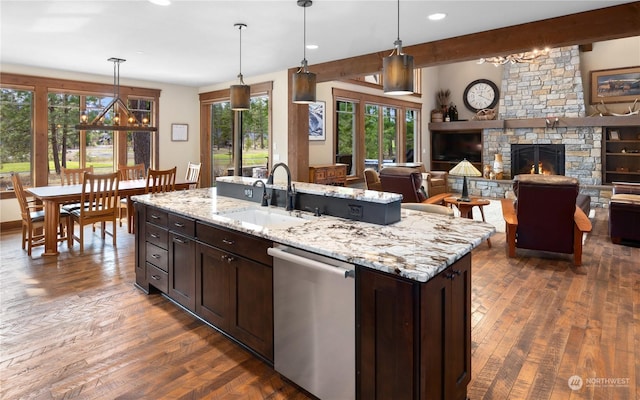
(16,122)
(345,134)
(218,136)
(390,131)
(39,138)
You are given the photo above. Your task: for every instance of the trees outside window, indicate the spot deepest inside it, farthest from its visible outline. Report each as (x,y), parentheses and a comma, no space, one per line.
(16,122)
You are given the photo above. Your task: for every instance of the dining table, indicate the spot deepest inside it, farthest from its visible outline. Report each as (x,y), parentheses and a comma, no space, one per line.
(53,197)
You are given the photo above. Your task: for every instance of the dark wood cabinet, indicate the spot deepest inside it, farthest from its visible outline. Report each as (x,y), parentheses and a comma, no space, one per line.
(621,154)
(182,270)
(234,281)
(415,338)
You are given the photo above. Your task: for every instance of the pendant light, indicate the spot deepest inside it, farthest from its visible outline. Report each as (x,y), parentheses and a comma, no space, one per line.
(240,94)
(304,82)
(397,69)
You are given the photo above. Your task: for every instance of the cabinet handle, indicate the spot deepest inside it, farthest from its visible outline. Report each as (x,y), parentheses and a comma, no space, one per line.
(227,241)
(227,258)
(153,216)
(181,241)
(178,224)
(156,256)
(156,277)
(456,271)
(154,235)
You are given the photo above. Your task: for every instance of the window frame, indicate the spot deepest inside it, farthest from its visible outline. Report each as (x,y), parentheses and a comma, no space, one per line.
(42,86)
(360,100)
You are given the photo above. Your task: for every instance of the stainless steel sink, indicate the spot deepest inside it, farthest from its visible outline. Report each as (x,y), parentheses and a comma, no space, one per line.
(268,217)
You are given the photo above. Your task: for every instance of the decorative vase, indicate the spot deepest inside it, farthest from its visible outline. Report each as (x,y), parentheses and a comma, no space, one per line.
(497,166)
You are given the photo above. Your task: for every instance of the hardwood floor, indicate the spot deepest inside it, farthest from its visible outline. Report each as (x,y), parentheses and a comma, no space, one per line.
(75,327)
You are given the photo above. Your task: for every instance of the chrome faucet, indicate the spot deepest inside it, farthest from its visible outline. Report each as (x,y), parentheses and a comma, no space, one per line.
(289,205)
(265,196)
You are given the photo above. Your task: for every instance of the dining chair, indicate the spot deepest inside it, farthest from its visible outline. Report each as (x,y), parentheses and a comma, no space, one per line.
(193,174)
(73,176)
(100,199)
(127,173)
(161,180)
(33,219)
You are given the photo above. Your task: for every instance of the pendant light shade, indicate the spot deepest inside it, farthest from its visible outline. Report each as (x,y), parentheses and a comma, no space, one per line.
(240,95)
(397,69)
(304,82)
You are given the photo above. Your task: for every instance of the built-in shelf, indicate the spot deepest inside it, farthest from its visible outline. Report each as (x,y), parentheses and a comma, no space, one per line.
(563,122)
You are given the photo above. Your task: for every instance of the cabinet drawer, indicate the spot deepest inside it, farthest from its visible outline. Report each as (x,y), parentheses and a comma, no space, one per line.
(156,235)
(158,278)
(235,242)
(183,226)
(157,256)
(156,216)
(331,172)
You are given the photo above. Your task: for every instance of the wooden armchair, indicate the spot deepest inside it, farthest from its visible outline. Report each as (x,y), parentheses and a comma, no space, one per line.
(100,199)
(73,176)
(159,181)
(33,219)
(545,216)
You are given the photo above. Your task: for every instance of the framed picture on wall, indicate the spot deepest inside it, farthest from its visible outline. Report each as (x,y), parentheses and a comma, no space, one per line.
(179,132)
(317,121)
(619,85)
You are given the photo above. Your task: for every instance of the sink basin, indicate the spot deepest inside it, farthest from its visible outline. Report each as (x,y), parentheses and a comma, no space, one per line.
(268,218)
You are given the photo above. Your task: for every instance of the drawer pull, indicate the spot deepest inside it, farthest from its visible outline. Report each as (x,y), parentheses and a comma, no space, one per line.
(156,256)
(156,277)
(181,241)
(227,241)
(178,224)
(154,235)
(153,216)
(227,258)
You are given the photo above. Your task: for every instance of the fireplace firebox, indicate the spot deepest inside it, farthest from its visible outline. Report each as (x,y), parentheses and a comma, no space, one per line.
(545,159)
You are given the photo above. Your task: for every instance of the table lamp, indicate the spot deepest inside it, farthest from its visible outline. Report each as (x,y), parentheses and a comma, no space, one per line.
(464,169)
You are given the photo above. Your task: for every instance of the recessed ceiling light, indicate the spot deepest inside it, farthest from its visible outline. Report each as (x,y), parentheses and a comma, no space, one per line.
(160,2)
(312,46)
(437,16)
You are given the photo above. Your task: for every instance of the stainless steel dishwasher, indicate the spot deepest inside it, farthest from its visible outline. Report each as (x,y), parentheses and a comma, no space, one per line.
(314,322)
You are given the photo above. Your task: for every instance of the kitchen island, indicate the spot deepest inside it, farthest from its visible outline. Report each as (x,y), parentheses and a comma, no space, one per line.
(413,280)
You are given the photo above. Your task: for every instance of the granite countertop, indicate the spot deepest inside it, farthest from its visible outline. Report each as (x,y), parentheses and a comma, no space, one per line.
(417,247)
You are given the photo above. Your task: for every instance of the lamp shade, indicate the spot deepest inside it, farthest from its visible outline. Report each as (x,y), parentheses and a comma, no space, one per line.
(397,74)
(465,168)
(304,87)
(240,96)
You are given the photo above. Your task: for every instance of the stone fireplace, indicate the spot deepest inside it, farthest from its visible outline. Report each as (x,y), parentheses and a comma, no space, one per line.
(549,88)
(547,159)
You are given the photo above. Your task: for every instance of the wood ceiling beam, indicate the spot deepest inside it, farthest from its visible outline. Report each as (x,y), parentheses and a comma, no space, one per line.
(575,29)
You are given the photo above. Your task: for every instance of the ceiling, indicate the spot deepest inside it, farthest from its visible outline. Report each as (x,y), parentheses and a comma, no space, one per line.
(195,43)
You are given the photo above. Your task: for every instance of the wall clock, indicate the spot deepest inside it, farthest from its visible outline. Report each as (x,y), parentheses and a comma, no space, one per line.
(481,94)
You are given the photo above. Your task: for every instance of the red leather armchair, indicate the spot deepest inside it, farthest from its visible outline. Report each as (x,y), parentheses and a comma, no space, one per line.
(545,216)
(624,212)
(405,181)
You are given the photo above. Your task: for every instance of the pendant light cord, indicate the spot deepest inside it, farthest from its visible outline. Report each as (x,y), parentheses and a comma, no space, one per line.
(304,33)
(398,20)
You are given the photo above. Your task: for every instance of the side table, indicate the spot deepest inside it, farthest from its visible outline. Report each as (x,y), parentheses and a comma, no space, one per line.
(466,207)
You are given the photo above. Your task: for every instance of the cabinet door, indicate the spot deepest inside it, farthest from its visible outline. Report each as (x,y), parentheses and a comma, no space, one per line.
(446,333)
(385,357)
(182,271)
(212,286)
(251,304)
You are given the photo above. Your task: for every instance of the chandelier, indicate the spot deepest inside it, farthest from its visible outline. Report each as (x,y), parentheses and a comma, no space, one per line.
(129,123)
(525,57)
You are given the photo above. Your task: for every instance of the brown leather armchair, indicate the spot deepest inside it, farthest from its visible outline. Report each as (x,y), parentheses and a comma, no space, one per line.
(624,212)
(405,181)
(372,179)
(545,216)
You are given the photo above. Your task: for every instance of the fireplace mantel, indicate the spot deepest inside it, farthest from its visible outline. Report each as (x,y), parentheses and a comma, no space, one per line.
(563,122)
